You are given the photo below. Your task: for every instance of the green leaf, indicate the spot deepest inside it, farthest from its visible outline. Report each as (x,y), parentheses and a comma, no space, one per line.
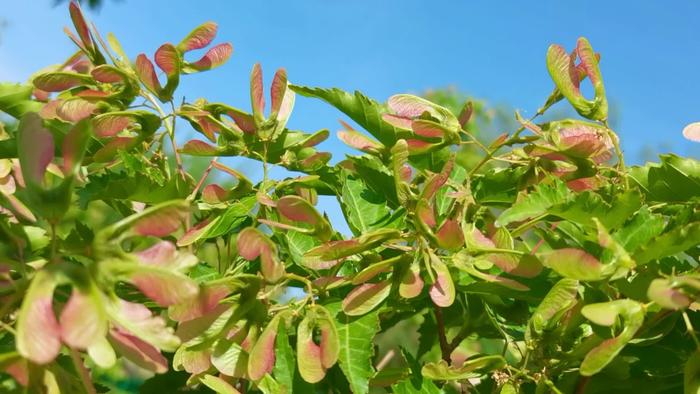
(15,100)
(675,179)
(363,110)
(217,384)
(669,243)
(356,336)
(365,210)
(366,297)
(285,362)
(574,264)
(535,203)
(471,368)
(606,314)
(416,384)
(558,300)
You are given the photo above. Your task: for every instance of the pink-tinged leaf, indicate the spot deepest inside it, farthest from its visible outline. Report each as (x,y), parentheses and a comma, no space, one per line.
(78,63)
(298,209)
(199,148)
(257,97)
(607,314)
(147,74)
(20,210)
(411,282)
(359,141)
(243,120)
(366,297)
(109,125)
(107,74)
(346,125)
(583,184)
(137,320)
(262,356)
(7,184)
(215,57)
(76,15)
(74,145)
(160,254)
(75,110)
(316,138)
(162,222)
(214,194)
(409,106)
(315,161)
(526,266)
(442,292)
(283,226)
(164,287)
(168,59)
(479,240)
(83,320)
(575,264)
(190,329)
(328,254)
(465,114)
(582,140)
(18,369)
(329,343)
(252,244)
(111,148)
(449,235)
(589,63)
(35,148)
(48,111)
(399,122)
(419,147)
(198,38)
(206,302)
(91,94)
(498,142)
(194,361)
(60,81)
(309,357)
(692,132)
(438,180)
(330,282)
(41,95)
(662,292)
(138,351)
(193,234)
(38,332)
(428,129)
(375,269)
(277,91)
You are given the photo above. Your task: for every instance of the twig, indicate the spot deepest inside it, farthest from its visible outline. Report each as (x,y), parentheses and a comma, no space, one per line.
(82,372)
(444,346)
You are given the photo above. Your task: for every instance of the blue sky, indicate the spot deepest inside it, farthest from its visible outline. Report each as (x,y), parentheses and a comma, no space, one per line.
(493,50)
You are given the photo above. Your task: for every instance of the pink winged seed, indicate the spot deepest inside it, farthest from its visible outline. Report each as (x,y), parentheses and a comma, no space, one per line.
(200,37)
(215,57)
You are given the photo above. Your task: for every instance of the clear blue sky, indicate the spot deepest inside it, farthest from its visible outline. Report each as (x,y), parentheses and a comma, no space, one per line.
(493,50)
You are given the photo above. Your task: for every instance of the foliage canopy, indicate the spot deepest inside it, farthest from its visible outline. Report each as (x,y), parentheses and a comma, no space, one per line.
(537,262)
